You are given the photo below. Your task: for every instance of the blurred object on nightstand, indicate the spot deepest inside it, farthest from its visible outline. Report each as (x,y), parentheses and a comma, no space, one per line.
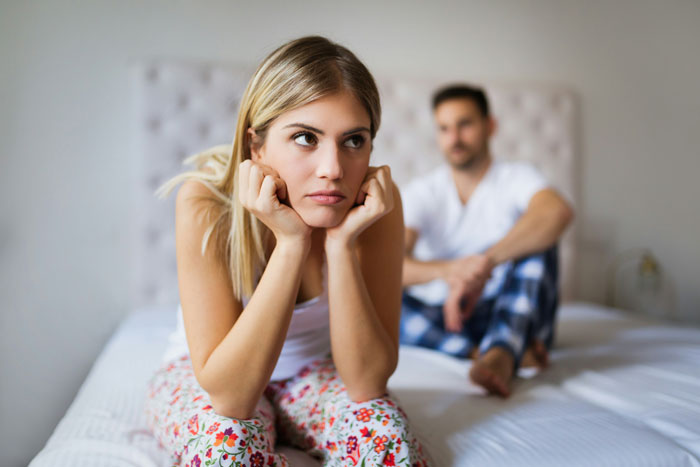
(636,282)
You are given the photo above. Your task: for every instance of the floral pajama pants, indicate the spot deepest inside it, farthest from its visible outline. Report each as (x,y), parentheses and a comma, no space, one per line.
(310,411)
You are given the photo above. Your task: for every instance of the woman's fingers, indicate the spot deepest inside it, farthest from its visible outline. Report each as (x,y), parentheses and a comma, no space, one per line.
(375,194)
(280,188)
(260,192)
(361,194)
(378,190)
(374,200)
(254,183)
(364,188)
(268,194)
(250,183)
(383,176)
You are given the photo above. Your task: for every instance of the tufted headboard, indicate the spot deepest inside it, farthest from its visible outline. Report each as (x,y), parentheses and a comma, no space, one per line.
(184,107)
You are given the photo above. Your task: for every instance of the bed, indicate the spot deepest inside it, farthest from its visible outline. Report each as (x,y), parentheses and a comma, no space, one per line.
(621,389)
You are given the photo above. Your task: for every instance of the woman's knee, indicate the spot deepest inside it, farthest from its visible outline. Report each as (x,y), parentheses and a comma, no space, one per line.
(181,416)
(226,440)
(379,430)
(380,413)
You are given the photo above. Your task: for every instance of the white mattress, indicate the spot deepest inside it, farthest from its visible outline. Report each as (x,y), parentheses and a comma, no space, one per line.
(620,391)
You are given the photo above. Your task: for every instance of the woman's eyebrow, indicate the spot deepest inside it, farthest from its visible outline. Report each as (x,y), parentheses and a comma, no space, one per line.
(357,130)
(320,132)
(306,127)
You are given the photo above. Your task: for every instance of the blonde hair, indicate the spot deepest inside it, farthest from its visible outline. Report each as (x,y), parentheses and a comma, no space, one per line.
(297,73)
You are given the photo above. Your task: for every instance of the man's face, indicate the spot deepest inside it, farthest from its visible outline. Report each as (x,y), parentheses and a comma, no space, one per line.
(462,132)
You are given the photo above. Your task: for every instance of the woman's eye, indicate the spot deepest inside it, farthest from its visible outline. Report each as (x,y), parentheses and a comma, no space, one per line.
(355,141)
(305,139)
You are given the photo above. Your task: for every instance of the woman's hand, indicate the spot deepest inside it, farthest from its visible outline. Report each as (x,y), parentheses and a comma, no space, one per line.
(374,200)
(262,192)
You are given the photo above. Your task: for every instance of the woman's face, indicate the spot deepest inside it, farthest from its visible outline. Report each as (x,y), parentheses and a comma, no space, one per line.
(321,150)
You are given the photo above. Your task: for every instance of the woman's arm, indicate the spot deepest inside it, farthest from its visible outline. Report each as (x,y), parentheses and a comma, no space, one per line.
(365,304)
(233,351)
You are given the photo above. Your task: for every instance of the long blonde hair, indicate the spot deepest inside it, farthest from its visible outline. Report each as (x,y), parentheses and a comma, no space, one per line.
(297,73)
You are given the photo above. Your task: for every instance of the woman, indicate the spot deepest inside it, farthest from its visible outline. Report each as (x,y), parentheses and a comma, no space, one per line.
(289,250)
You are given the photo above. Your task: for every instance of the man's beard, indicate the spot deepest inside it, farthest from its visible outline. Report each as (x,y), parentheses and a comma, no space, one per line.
(474,157)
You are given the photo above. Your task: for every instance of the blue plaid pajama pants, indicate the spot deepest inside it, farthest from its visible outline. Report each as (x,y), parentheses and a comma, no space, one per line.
(519,308)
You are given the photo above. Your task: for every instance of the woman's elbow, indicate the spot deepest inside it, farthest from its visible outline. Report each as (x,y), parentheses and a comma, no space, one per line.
(367,393)
(228,404)
(231,408)
(370,387)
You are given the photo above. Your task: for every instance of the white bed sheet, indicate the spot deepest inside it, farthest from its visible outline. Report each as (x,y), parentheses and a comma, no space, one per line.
(620,391)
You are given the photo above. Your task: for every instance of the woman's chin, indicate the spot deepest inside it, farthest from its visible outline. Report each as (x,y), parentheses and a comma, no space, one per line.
(320,220)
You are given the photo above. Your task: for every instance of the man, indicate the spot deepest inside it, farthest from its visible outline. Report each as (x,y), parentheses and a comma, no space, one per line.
(480,269)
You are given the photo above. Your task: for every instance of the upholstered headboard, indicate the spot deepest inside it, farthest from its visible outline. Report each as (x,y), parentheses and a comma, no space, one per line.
(186,107)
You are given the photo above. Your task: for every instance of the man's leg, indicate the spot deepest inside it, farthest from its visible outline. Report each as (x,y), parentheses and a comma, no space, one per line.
(523,314)
(423,325)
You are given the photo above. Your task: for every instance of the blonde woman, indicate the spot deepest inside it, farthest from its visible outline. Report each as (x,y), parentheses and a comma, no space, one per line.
(289,250)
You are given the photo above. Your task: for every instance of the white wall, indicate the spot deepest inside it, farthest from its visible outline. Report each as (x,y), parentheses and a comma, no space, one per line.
(66,160)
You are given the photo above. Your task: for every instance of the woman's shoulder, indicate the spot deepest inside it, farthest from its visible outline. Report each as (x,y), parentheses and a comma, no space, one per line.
(191,191)
(198,214)
(195,197)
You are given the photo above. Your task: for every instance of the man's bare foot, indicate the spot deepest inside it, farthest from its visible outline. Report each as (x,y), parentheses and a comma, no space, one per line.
(493,371)
(536,356)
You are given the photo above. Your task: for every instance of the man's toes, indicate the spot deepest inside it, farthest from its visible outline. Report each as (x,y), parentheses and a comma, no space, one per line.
(473,354)
(529,360)
(541,353)
(488,379)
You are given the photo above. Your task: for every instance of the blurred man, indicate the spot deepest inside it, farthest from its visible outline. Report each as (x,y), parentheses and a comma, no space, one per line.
(481,261)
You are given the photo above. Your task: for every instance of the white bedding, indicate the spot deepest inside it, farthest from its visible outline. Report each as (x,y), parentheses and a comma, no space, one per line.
(620,391)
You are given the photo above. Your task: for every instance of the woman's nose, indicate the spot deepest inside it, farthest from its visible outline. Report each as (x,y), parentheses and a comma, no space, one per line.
(329,164)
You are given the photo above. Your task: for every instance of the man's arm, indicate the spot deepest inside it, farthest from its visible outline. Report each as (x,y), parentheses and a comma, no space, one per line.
(419,272)
(465,276)
(544,221)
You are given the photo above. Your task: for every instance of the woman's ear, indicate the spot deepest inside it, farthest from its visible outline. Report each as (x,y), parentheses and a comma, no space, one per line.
(253,141)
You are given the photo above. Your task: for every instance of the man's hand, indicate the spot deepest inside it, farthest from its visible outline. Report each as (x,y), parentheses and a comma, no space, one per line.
(466,278)
(472,269)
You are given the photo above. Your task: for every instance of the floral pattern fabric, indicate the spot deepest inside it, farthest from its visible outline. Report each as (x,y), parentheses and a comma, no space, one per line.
(310,411)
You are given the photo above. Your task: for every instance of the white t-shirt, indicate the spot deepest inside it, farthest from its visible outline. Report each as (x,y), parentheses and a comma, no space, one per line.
(448,229)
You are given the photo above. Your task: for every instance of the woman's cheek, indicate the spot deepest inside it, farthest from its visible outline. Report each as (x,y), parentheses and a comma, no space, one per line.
(293,198)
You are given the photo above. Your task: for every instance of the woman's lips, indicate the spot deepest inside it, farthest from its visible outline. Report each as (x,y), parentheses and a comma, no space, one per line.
(327,197)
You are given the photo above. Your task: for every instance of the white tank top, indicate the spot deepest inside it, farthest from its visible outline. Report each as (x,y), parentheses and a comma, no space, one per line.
(308,337)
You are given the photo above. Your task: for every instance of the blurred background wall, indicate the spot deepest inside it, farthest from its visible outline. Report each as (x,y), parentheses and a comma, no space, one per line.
(67,159)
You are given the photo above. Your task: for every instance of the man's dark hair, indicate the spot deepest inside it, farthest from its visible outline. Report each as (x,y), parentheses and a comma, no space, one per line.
(462,91)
